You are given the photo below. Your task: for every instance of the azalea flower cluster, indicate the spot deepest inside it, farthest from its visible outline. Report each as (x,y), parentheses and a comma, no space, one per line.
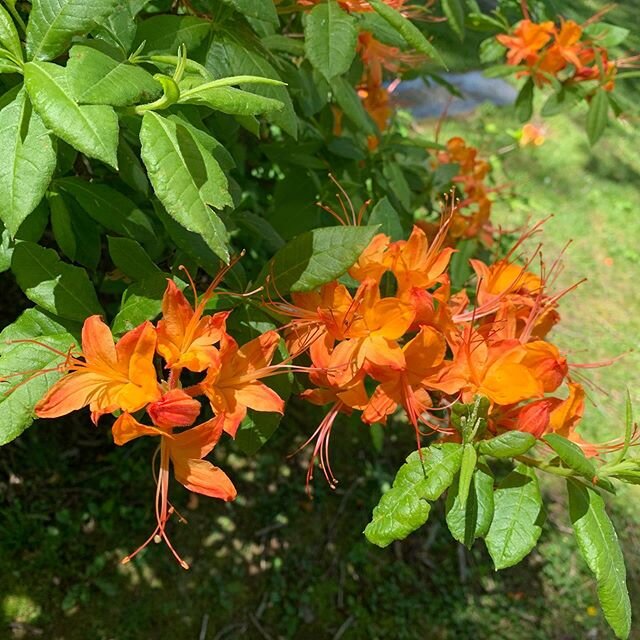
(565,52)
(471,215)
(121,378)
(423,348)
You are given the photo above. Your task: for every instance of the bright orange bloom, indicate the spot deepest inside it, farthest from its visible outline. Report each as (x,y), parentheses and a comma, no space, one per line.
(424,356)
(375,100)
(235,385)
(567,42)
(497,370)
(527,40)
(185,451)
(373,327)
(375,260)
(186,337)
(110,377)
(533,135)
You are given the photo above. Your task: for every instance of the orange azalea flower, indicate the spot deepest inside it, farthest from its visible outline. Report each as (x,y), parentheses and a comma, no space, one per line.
(377,56)
(185,451)
(373,327)
(375,260)
(418,263)
(375,100)
(504,278)
(527,40)
(234,386)
(424,356)
(185,336)
(567,42)
(533,135)
(109,377)
(496,370)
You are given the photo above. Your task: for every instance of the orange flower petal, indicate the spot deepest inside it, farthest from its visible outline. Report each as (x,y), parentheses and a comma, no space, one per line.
(127,428)
(174,409)
(202,477)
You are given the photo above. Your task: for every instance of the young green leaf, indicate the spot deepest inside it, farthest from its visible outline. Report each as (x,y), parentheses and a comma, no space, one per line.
(91,129)
(230,100)
(471,521)
(56,286)
(598,544)
(524,101)
(111,209)
(455,12)
(467,467)
(166,33)
(316,257)
(331,36)
(387,217)
(9,38)
(571,454)
(96,78)
(598,115)
(405,507)
(407,30)
(130,257)
(186,178)
(507,445)
(53,24)
(517,518)
(19,394)
(23,182)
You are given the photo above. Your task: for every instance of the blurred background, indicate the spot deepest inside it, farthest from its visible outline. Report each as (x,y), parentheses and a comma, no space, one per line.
(275,564)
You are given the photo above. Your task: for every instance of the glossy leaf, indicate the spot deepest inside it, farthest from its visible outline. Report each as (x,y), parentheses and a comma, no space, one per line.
(9,38)
(387,217)
(18,393)
(112,209)
(598,116)
(316,257)
(331,36)
(571,454)
(507,445)
(347,98)
(166,33)
(231,100)
(517,518)
(258,9)
(140,302)
(96,78)
(598,544)
(130,257)
(473,519)
(455,12)
(467,468)
(91,129)
(53,24)
(406,29)
(56,286)
(405,507)
(186,178)
(23,182)
(524,102)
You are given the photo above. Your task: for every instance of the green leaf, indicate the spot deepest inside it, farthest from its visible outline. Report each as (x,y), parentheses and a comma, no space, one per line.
(571,454)
(9,38)
(347,98)
(53,24)
(31,229)
(257,9)
(473,519)
(166,33)
(467,468)
(96,78)
(56,286)
(19,394)
(91,129)
(28,161)
(517,518)
(230,100)
(387,217)
(606,35)
(507,445)
(524,101)
(316,257)
(598,115)
(455,12)
(331,37)
(234,51)
(186,178)
(405,507)
(598,544)
(111,209)
(130,257)
(460,269)
(407,30)
(77,235)
(140,302)
(560,101)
